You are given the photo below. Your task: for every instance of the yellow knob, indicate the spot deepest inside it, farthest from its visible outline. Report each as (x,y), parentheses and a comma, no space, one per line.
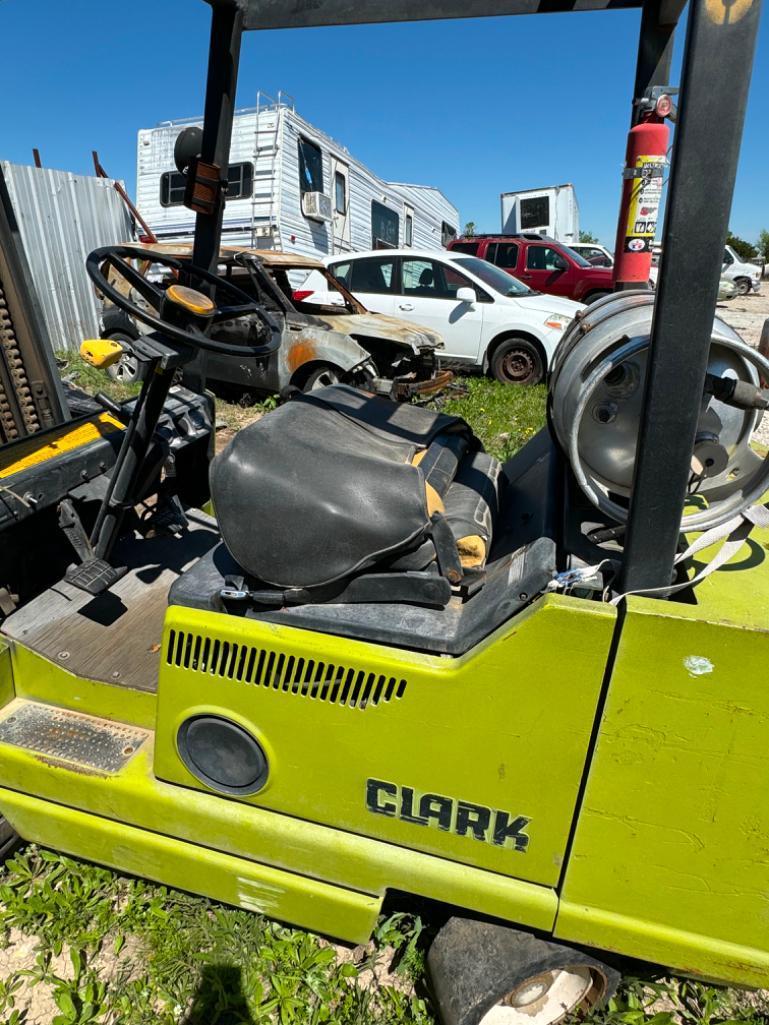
(101,352)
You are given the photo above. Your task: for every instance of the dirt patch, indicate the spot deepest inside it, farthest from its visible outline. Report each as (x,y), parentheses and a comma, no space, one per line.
(746,315)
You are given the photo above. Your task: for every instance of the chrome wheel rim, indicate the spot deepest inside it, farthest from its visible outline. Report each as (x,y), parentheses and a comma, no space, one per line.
(543,999)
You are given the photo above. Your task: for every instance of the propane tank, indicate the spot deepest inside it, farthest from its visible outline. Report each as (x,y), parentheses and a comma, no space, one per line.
(645,164)
(596,401)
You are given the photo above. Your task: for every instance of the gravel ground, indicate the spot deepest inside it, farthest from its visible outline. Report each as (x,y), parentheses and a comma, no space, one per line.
(746,315)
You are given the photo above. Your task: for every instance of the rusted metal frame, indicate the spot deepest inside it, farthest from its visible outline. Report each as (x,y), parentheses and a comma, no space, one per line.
(718,59)
(31,393)
(101,173)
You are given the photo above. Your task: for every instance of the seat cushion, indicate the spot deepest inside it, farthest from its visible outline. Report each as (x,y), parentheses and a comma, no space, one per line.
(326,486)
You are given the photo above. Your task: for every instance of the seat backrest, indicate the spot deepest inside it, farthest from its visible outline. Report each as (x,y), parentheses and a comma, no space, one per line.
(328,484)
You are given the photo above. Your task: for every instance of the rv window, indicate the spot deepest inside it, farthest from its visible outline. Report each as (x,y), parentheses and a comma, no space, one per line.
(447,233)
(409,231)
(467,247)
(172,186)
(310,166)
(340,193)
(385,227)
(240,181)
(535,212)
(374,275)
(506,254)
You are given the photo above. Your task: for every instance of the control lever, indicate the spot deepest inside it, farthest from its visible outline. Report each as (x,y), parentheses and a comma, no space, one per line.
(112,407)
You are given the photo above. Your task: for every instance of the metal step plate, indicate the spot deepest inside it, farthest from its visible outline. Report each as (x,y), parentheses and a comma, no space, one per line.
(70,736)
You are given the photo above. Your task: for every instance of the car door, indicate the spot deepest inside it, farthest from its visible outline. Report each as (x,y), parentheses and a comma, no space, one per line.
(370,279)
(505,256)
(546,270)
(427,296)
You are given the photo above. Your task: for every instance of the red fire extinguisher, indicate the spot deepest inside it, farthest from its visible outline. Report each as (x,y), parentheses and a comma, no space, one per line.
(645,165)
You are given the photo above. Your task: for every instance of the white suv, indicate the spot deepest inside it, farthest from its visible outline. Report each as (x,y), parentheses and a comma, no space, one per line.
(487,318)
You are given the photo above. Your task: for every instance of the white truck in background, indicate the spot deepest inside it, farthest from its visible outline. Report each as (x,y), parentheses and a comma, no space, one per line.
(742,277)
(746,276)
(552,211)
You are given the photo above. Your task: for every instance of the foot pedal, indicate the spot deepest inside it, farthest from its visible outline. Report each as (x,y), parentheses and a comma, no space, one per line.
(167,517)
(94,575)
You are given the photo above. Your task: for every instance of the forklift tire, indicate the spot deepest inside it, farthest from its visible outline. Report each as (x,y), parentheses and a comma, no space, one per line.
(485,974)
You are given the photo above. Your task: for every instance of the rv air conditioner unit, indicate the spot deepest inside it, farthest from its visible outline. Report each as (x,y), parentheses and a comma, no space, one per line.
(316,206)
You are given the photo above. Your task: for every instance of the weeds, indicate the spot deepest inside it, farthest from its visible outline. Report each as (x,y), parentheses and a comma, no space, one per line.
(503,416)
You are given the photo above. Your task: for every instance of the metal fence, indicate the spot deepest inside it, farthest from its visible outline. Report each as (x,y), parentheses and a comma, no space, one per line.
(62,218)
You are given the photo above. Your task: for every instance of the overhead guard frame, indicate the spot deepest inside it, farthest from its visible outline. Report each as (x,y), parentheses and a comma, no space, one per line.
(718,59)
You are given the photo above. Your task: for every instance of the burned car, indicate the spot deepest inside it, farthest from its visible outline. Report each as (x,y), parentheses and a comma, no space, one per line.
(320,345)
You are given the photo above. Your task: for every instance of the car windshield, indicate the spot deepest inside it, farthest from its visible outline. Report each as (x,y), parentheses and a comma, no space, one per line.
(576,257)
(499,280)
(292,282)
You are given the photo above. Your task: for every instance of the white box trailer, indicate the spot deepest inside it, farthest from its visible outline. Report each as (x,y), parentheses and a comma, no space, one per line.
(292,187)
(551,211)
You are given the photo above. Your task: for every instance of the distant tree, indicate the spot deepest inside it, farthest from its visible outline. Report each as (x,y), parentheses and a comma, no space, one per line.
(469,228)
(587,236)
(743,249)
(763,244)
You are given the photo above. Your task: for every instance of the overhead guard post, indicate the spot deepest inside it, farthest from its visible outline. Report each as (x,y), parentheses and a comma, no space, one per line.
(718,59)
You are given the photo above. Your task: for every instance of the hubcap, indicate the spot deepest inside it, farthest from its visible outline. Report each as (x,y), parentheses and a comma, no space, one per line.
(518,366)
(543,999)
(324,379)
(126,369)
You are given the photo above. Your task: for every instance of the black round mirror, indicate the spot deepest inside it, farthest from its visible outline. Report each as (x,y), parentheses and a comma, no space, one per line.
(189,143)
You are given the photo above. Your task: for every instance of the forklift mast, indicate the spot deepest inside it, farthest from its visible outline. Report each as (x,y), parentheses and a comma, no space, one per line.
(31,393)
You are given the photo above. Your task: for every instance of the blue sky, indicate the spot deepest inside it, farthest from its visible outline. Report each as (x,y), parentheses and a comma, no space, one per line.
(475,107)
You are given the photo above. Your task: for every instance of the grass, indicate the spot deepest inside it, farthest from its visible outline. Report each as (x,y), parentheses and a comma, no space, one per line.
(85,945)
(114,950)
(503,417)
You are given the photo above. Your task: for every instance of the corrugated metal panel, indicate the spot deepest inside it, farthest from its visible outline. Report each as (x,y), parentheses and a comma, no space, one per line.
(62,218)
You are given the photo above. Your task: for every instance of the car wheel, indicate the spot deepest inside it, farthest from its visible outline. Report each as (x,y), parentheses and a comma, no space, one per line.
(742,285)
(128,369)
(595,296)
(321,377)
(517,361)
(485,974)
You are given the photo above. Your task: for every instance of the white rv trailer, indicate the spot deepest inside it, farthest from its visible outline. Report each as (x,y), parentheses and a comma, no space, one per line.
(292,187)
(551,211)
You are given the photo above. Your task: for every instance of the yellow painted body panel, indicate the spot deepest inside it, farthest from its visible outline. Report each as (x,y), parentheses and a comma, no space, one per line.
(669,857)
(505,727)
(269,891)
(136,798)
(56,443)
(670,860)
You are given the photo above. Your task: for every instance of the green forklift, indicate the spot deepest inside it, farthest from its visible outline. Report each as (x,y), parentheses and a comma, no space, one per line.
(379,662)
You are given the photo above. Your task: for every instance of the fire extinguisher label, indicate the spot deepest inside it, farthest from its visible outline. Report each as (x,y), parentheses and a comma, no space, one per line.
(644,207)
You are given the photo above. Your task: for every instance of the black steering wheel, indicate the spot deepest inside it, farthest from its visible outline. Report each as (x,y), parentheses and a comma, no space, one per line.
(180,313)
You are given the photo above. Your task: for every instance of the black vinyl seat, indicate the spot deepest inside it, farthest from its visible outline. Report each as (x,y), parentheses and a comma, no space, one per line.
(343,496)
(393,593)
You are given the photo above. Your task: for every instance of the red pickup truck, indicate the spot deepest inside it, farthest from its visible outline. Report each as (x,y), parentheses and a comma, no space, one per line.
(541,263)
